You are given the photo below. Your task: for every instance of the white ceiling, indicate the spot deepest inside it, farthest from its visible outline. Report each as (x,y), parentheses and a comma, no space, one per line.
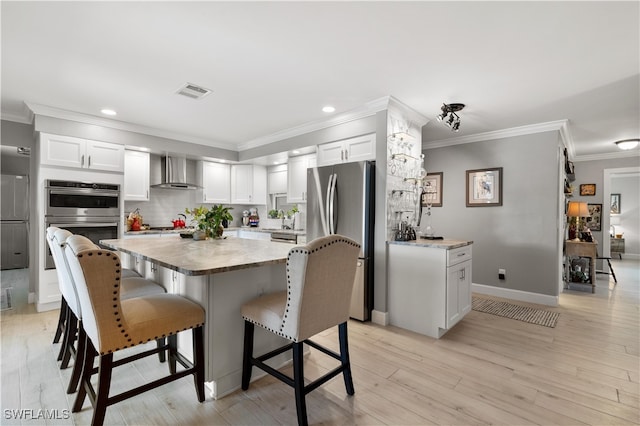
(273,66)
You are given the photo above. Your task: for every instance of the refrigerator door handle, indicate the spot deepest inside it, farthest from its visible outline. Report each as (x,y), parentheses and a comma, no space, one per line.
(334,204)
(327,206)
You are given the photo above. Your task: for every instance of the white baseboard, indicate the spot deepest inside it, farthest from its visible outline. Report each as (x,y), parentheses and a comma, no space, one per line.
(507,293)
(42,307)
(380,318)
(31,298)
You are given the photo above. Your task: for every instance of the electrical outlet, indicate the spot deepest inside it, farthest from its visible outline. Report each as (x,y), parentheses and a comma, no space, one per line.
(501,274)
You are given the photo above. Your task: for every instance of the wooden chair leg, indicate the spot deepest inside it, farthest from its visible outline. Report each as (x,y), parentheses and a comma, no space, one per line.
(72,333)
(344,358)
(161,354)
(173,350)
(247,354)
(65,333)
(85,378)
(102,395)
(61,321)
(80,356)
(198,358)
(298,383)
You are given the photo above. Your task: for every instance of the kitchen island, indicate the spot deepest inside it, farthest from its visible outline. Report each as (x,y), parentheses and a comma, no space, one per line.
(220,275)
(429,284)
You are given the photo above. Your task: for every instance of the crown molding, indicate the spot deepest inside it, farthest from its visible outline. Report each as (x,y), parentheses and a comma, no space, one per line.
(25,118)
(368,109)
(48,111)
(414,117)
(559,125)
(607,156)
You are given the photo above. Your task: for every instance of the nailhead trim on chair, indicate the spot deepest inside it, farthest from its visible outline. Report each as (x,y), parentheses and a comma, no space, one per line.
(306,252)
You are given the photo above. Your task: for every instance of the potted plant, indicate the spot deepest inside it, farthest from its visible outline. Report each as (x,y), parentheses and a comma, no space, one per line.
(217,215)
(208,222)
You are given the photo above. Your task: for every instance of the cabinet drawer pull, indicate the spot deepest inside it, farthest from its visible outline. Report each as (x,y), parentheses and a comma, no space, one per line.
(461,254)
(82,160)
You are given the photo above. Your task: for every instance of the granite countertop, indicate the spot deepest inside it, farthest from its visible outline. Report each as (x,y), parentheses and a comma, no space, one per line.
(203,257)
(441,244)
(231,228)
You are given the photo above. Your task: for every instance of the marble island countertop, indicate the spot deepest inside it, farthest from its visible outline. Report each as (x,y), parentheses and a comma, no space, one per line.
(446,244)
(205,256)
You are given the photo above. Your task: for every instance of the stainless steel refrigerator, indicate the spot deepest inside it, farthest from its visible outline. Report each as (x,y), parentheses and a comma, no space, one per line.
(14,215)
(340,200)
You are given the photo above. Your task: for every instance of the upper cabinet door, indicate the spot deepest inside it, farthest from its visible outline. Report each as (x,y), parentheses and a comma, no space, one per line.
(330,153)
(277,179)
(67,151)
(297,177)
(216,183)
(348,150)
(248,184)
(105,156)
(136,176)
(62,151)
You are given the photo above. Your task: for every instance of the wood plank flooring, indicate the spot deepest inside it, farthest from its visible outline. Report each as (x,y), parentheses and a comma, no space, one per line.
(487,370)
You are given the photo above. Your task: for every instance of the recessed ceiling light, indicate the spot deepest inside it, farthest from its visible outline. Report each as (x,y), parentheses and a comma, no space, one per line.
(328,108)
(107,111)
(295,151)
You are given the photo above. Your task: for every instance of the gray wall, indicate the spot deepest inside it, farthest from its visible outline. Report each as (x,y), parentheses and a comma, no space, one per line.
(629,189)
(593,172)
(520,236)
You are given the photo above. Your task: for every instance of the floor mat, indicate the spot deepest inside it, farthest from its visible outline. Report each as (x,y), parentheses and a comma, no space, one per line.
(516,312)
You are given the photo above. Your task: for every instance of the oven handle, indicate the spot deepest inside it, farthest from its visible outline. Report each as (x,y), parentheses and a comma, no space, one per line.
(81,224)
(96,192)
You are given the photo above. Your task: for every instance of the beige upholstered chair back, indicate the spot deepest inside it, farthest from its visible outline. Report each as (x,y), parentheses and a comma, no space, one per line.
(56,238)
(320,279)
(97,274)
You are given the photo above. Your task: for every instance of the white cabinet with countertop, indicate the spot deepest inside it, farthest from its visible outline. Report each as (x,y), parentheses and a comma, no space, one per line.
(297,177)
(136,175)
(348,150)
(215,179)
(429,284)
(254,234)
(67,151)
(248,184)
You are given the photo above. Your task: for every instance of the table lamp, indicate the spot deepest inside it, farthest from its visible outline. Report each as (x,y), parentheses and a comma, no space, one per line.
(577,209)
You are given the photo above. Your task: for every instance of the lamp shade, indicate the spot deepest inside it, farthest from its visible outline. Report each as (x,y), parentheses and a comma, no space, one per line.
(577,209)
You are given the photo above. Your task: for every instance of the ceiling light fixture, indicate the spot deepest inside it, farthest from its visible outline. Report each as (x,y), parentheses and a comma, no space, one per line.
(627,144)
(328,108)
(107,111)
(449,110)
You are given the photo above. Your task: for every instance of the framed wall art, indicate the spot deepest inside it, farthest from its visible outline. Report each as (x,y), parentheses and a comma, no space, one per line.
(595,219)
(588,189)
(432,185)
(615,204)
(484,187)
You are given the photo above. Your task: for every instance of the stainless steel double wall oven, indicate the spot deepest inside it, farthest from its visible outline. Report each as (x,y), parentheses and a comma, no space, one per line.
(89,209)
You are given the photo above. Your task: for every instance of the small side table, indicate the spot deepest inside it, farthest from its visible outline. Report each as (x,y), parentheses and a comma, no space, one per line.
(582,249)
(617,246)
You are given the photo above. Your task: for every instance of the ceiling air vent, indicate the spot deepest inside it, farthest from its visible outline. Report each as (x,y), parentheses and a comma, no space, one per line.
(193,91)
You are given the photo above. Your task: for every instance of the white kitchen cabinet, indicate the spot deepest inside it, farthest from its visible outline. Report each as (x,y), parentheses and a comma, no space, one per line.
(277,179)
(216,182)
(248,184)
(297,177)
(67,151)
(136,175)
(348,150)
(429,285)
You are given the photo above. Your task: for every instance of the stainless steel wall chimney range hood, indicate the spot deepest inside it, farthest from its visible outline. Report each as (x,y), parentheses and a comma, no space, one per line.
(174,173)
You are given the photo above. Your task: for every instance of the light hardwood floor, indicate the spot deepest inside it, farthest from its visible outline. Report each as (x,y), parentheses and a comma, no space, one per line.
(487,370)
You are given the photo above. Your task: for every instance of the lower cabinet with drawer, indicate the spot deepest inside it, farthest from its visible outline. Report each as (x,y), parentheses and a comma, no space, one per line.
(429,285)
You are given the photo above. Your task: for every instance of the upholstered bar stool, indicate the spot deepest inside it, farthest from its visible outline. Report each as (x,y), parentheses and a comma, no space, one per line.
(112,324)
(320,279)
(63,285)
(134,286)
